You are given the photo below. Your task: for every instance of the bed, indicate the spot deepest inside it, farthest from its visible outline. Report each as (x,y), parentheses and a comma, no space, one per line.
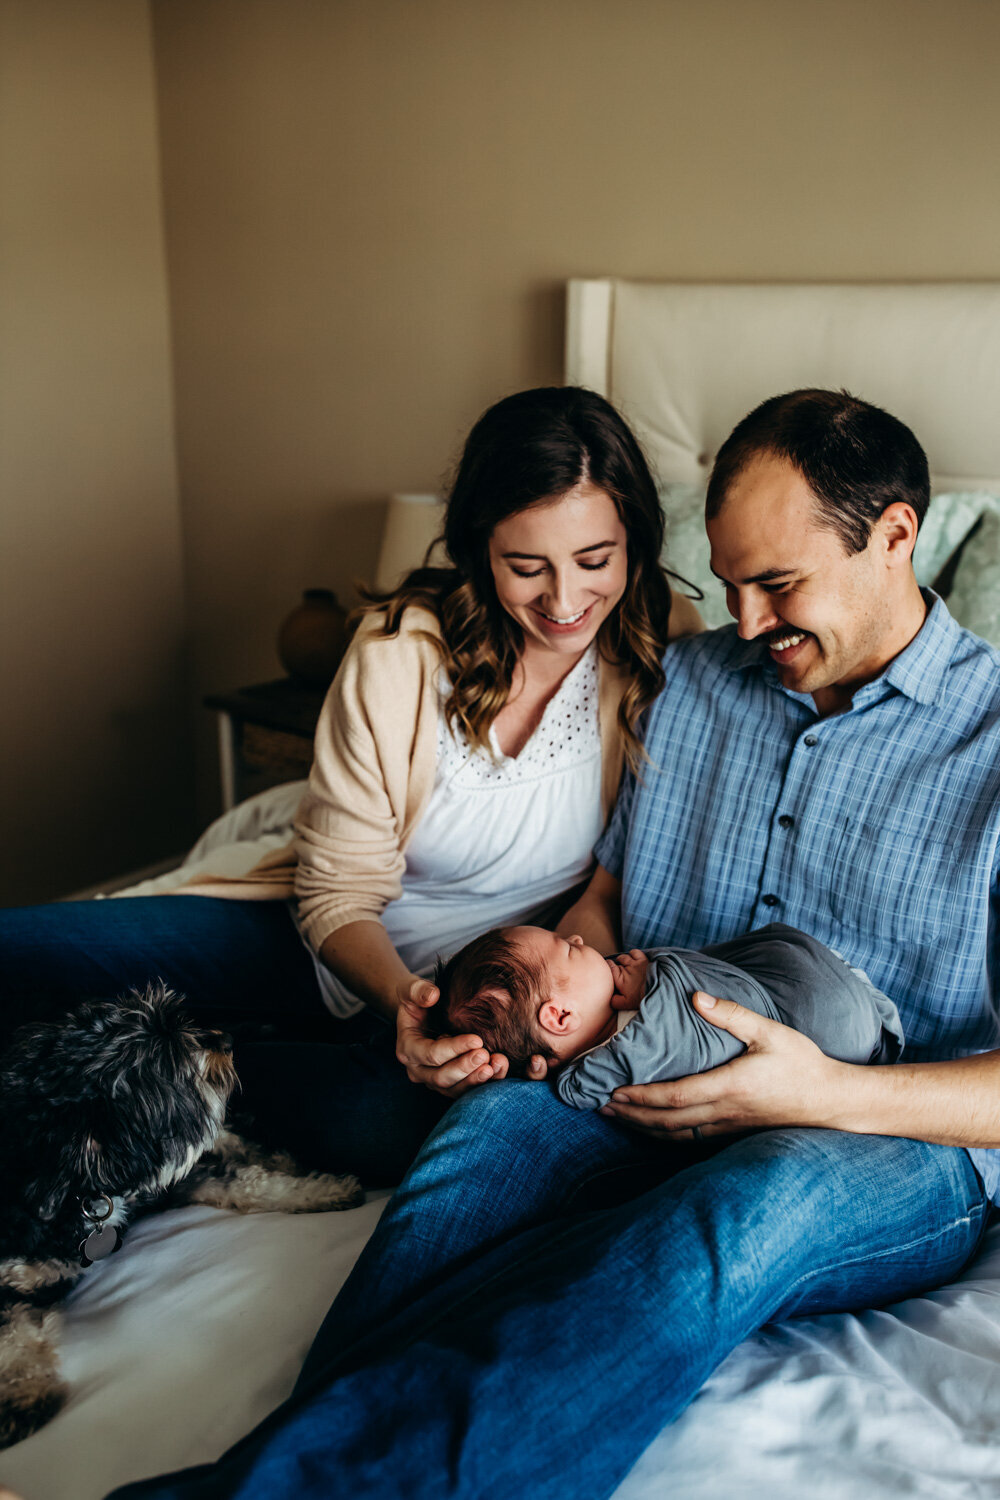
(196,1330)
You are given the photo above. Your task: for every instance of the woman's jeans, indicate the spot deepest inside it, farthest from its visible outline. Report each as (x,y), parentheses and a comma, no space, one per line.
(329,1091)
(546,1291)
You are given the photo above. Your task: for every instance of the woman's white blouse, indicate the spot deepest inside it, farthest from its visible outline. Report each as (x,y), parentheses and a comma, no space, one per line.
(501,837)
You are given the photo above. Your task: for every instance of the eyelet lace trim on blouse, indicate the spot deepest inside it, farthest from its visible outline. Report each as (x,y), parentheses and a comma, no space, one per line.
(568,734)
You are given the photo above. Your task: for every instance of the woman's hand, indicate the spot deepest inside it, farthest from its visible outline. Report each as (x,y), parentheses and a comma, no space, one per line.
(447,1064)
(782,1079)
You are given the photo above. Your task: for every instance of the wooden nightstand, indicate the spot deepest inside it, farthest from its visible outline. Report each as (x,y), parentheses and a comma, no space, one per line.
(265,735)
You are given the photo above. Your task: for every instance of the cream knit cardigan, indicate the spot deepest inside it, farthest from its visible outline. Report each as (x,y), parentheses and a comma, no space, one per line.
(372,775)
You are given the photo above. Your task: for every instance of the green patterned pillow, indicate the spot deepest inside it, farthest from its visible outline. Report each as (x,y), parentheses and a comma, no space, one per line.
(949,519)
(687,551)
(974,599)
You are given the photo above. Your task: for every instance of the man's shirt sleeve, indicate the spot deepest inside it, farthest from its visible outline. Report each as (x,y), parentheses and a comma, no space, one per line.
(610,847)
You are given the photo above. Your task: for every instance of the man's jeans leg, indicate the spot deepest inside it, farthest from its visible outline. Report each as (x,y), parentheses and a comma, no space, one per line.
(549,1365)
(505,1157)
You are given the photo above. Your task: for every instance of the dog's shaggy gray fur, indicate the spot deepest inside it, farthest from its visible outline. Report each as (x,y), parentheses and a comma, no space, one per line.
(121,1102)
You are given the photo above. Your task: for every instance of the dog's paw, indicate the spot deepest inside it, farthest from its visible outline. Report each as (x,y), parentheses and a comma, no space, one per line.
(18,1420)
(323,1193)
(257,1190)
(31,1391)
(306,1193)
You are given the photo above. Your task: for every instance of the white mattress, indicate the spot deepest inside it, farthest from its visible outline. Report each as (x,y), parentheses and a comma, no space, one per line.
(196,1330)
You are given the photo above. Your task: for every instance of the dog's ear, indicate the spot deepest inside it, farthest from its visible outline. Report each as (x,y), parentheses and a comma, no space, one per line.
(89,1157)
(77,1170)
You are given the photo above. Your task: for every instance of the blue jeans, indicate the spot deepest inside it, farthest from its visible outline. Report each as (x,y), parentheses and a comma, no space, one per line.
(329,1091)
(513,1330)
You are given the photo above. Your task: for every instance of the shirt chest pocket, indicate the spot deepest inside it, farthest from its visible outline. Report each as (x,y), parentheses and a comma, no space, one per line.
(896,881)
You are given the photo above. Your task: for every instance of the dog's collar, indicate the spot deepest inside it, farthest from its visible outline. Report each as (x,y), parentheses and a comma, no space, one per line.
(103,1239)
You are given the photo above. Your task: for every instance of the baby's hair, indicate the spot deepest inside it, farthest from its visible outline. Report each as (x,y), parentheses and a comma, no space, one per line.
(493,989)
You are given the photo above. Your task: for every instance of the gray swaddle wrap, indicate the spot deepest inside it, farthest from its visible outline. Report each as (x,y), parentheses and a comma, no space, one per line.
(776,971)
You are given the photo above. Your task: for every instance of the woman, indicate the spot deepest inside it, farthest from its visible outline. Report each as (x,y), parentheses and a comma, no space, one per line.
(466,759)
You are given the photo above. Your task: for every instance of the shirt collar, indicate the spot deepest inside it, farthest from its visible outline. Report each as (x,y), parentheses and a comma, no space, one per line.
(918,672)
(920,668)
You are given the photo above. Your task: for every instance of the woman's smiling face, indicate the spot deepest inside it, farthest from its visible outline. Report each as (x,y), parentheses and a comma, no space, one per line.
(561,567)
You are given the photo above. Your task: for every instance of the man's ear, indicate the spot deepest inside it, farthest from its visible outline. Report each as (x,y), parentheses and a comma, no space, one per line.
(558,1019)
(898,524)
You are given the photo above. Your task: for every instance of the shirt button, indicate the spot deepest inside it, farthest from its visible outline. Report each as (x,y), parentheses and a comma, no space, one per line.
(810,740)
(770,900)
(785,821)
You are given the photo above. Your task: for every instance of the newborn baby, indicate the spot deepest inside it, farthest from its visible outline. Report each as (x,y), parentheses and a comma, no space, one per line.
(527,992)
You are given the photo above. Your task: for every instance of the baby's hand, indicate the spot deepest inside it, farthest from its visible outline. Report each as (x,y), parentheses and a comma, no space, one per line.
(629,970)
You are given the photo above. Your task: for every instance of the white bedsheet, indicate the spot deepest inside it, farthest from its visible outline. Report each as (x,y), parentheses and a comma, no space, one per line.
(185,1339)
(196,1330)
(901,1402)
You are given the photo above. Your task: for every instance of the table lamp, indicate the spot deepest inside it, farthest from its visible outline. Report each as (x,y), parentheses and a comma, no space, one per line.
(411,524)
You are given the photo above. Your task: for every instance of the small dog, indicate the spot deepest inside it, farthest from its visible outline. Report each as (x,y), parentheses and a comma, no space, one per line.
(116,1108)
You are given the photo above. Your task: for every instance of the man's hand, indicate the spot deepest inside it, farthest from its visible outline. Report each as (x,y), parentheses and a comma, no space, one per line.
(447,1064)
(629,970)
(782,1079)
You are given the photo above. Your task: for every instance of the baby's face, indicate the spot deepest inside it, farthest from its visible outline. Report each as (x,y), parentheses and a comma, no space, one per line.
(579,982)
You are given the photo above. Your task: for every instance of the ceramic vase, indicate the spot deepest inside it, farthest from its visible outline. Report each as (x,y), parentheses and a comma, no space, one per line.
(311,641)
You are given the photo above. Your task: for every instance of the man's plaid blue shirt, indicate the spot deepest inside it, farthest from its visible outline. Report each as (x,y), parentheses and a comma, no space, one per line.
(876,830)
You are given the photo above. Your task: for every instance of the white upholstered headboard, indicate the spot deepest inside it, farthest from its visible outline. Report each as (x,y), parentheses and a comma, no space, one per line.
(684,362)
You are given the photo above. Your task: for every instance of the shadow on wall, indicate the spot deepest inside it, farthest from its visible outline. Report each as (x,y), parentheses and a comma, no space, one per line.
(139,806)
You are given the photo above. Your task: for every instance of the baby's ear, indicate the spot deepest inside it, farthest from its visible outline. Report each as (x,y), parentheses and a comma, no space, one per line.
(557,1019)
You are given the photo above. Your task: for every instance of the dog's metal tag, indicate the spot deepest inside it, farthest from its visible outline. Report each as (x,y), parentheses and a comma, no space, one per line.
(99,1243)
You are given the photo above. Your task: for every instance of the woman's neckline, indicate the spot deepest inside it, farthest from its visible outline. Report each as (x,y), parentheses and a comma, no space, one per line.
(560,687)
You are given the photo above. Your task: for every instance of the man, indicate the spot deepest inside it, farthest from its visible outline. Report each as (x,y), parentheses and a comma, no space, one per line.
(548,1289)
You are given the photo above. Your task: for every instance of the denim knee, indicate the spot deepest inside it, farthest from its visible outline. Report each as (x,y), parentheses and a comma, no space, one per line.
(521,1134)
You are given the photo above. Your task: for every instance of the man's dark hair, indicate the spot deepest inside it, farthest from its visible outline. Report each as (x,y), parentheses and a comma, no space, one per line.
(492,989)
(856,458)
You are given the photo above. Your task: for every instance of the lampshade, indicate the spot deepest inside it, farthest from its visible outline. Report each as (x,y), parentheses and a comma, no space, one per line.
(411,524)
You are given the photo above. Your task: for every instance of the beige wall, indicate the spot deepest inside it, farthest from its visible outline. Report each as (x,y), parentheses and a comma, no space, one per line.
(371,206)
(94,752)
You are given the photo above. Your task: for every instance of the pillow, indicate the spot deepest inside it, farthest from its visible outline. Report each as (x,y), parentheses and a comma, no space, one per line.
(949,519)
(975,593)
(687,551)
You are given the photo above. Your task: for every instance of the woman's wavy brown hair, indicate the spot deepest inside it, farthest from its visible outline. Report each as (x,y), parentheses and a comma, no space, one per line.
(527,450)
